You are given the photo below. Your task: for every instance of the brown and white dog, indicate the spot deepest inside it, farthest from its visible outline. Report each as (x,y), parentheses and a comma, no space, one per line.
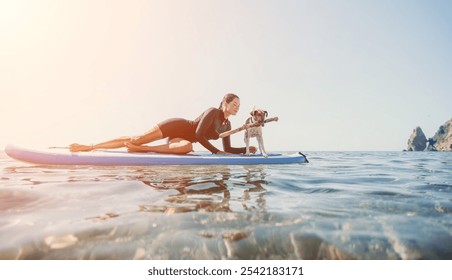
(257,116)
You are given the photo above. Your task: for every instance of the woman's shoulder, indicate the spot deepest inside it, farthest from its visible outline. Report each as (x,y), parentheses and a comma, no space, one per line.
(209,113)
(212,111)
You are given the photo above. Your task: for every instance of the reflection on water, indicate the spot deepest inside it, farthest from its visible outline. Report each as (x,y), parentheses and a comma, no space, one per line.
(209,193)
(336,207)
(76,197)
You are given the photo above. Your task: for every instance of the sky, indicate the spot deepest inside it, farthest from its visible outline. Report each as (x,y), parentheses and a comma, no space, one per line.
(340,75)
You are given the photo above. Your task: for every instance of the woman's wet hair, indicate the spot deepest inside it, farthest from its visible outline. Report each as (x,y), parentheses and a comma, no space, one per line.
(228,99)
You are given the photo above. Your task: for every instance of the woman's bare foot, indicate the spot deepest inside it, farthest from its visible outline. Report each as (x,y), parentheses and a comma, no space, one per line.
(131,148)
(80,148)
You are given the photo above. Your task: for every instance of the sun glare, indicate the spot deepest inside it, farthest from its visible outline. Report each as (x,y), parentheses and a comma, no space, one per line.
(14,15)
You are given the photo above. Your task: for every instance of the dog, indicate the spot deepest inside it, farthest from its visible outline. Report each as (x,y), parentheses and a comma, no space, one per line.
(257,116)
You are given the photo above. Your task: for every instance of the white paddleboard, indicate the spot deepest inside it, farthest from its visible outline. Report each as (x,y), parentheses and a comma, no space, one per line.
(117,157)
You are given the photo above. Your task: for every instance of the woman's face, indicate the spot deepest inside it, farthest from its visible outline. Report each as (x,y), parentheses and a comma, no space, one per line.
(233,106)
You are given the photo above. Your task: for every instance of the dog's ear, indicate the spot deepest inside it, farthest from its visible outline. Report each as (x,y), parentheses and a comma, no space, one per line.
(253,112)
(266,113)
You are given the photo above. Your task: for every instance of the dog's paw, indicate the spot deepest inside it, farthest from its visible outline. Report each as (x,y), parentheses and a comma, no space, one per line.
(247,154)
(265,155)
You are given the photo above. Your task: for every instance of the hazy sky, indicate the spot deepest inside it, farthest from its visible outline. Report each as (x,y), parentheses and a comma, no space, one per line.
(340,75)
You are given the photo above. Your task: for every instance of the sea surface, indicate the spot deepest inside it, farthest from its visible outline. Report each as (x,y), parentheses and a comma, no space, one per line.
(340,205)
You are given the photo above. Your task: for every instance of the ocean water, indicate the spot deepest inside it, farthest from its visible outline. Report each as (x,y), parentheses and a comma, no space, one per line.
(341,205)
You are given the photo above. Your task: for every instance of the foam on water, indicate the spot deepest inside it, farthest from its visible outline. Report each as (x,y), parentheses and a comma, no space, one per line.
(342,205)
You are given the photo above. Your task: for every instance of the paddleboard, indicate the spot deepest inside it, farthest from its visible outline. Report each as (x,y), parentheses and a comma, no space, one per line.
(118,157)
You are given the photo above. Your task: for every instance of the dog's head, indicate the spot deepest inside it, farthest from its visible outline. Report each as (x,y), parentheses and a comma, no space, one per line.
(259,115)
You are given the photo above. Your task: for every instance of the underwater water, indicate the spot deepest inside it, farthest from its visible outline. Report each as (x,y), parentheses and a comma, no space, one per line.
(340,205)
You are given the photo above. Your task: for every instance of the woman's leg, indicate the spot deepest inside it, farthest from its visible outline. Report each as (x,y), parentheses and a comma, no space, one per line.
(177,146)
(152,135)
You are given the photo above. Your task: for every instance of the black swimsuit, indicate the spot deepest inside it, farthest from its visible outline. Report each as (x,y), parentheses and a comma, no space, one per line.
(207,126)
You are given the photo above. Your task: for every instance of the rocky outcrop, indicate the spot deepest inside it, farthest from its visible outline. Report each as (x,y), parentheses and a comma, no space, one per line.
(443,137)
(441,141)
(430,145)
(417,141)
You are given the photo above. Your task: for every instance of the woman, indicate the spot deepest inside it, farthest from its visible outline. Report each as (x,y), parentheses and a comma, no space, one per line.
(181,133)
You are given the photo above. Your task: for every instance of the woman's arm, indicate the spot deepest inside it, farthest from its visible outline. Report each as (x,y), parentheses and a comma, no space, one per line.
(227,147)
(227,143)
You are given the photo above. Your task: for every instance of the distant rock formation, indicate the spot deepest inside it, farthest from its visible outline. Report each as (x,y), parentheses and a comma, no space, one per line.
(417,141)
(430,145)
(443,137)
(441,141)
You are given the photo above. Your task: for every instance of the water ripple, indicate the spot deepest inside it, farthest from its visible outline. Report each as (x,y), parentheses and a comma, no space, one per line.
(342,205)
